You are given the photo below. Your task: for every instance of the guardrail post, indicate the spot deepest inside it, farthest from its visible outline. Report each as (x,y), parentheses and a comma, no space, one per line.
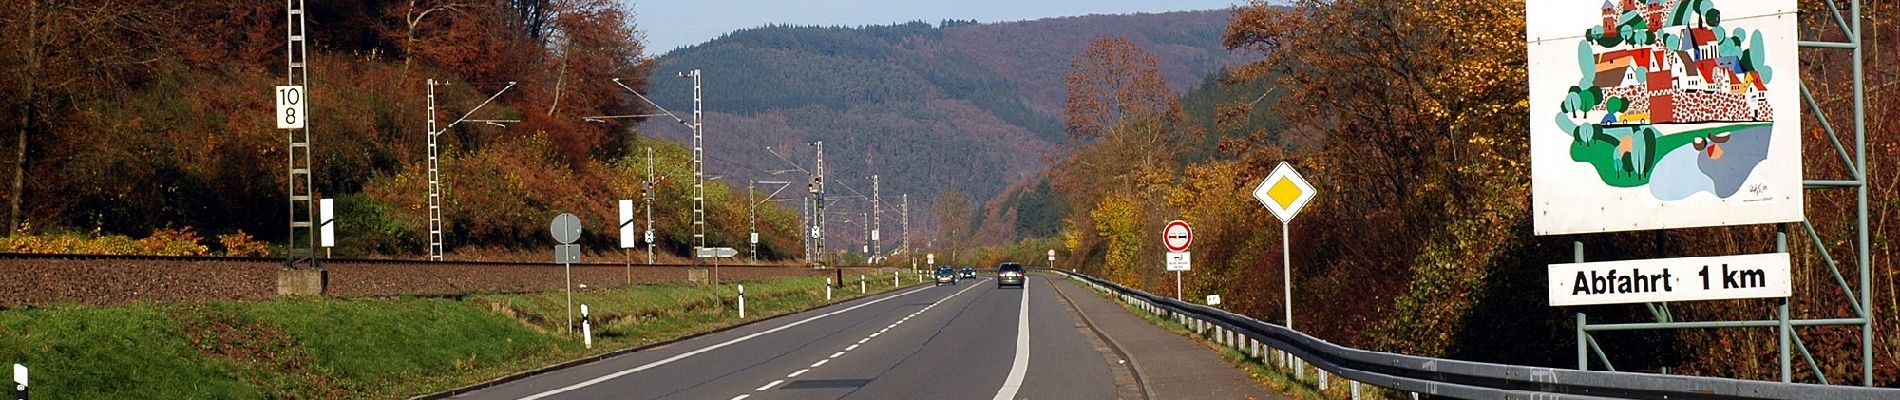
(1253,346)
(1355,391)
(1322,378)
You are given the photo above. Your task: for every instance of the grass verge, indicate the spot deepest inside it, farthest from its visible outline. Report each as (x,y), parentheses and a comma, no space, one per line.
(358,348)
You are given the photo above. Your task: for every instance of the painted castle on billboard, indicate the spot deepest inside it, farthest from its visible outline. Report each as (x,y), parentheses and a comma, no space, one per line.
(1669,97)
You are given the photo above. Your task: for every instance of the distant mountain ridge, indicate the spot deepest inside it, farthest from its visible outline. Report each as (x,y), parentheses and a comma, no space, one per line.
(961,105)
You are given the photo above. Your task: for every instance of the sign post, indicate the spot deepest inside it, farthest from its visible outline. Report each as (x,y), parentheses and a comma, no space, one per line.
(566,229)
(1177,236)
(1284,193)
(1052,258)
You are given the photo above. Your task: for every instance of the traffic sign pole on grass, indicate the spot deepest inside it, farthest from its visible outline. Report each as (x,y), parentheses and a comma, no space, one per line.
(1177,236)
(1284,193)
(566,229)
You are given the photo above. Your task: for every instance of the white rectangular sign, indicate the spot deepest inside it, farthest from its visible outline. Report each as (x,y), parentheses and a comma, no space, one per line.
(754,239)
(290,107)
(717,252)
(1670,279)
(1663,114)
(628,236)
(1178,260)
(326,222)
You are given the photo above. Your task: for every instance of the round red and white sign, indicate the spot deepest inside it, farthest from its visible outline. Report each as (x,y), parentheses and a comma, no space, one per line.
(1177,236)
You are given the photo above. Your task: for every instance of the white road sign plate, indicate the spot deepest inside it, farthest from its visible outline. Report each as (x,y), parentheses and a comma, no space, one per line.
(290,107)
(1670,279)
(1213,299)
(326,222)
(717,252)
(1284,192)
(629,238)
(1178,261)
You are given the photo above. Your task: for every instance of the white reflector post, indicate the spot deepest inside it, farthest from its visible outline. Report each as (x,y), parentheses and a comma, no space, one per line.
(628,239)
(326,222)
(19,374)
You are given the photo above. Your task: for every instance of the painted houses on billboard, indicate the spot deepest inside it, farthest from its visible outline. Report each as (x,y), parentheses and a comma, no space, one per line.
(1662,114)
(1682,76)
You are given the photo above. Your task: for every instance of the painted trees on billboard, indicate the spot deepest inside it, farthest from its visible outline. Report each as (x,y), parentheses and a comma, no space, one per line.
(1662,114)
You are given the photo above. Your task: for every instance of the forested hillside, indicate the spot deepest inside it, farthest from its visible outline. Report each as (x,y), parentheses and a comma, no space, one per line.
(1420,240)
(130,117)
(959,106)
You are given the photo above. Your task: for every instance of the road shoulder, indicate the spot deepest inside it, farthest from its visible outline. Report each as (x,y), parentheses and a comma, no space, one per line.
(1167,365)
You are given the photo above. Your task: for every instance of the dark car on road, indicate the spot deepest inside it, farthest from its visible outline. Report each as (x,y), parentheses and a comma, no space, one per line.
(969,273)
(945,274)
(1009,274)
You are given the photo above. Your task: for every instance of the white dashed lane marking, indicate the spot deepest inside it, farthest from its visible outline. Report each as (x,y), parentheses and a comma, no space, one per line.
(848,349)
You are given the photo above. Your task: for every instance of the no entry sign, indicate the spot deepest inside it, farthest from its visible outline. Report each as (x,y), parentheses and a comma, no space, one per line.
(1177,236)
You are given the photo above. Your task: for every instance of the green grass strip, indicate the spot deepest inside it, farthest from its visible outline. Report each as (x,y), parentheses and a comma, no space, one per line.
(360,347)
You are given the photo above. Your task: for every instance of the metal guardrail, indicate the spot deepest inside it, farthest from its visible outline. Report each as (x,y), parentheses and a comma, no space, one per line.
(1461,379)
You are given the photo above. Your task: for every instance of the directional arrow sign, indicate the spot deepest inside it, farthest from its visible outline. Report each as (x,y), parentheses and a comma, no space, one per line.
(717,252)
(1284,192)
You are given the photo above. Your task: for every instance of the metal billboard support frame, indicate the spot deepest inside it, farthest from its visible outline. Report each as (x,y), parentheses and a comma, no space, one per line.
(1860,302)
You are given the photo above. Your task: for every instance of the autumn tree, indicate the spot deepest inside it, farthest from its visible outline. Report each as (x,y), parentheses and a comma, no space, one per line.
(1420,105)
(64,53)
(956,214)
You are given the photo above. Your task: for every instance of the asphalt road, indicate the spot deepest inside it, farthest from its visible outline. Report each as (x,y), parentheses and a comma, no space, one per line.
(942,342)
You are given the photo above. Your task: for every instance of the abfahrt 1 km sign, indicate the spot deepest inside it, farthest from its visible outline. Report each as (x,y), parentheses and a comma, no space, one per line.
(1670,279)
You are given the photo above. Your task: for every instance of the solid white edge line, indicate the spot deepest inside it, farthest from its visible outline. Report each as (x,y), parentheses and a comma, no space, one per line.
(1021,366)
(681,356)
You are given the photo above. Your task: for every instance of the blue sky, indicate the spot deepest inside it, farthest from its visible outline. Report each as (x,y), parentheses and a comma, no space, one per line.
(670,24)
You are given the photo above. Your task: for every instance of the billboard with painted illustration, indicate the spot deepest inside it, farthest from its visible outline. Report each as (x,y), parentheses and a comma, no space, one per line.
(1657,114)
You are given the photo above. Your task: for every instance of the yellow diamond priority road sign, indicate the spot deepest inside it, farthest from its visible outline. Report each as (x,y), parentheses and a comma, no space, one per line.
(1284,192)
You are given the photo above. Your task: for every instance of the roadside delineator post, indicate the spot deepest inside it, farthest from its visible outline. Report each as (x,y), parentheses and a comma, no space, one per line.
(861,288)
(587,328)
(19,381)
(827,289)
(741,301)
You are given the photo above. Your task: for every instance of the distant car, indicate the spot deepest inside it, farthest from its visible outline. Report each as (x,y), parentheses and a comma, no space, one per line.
(1009,274)
(946,275)
(969,272)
